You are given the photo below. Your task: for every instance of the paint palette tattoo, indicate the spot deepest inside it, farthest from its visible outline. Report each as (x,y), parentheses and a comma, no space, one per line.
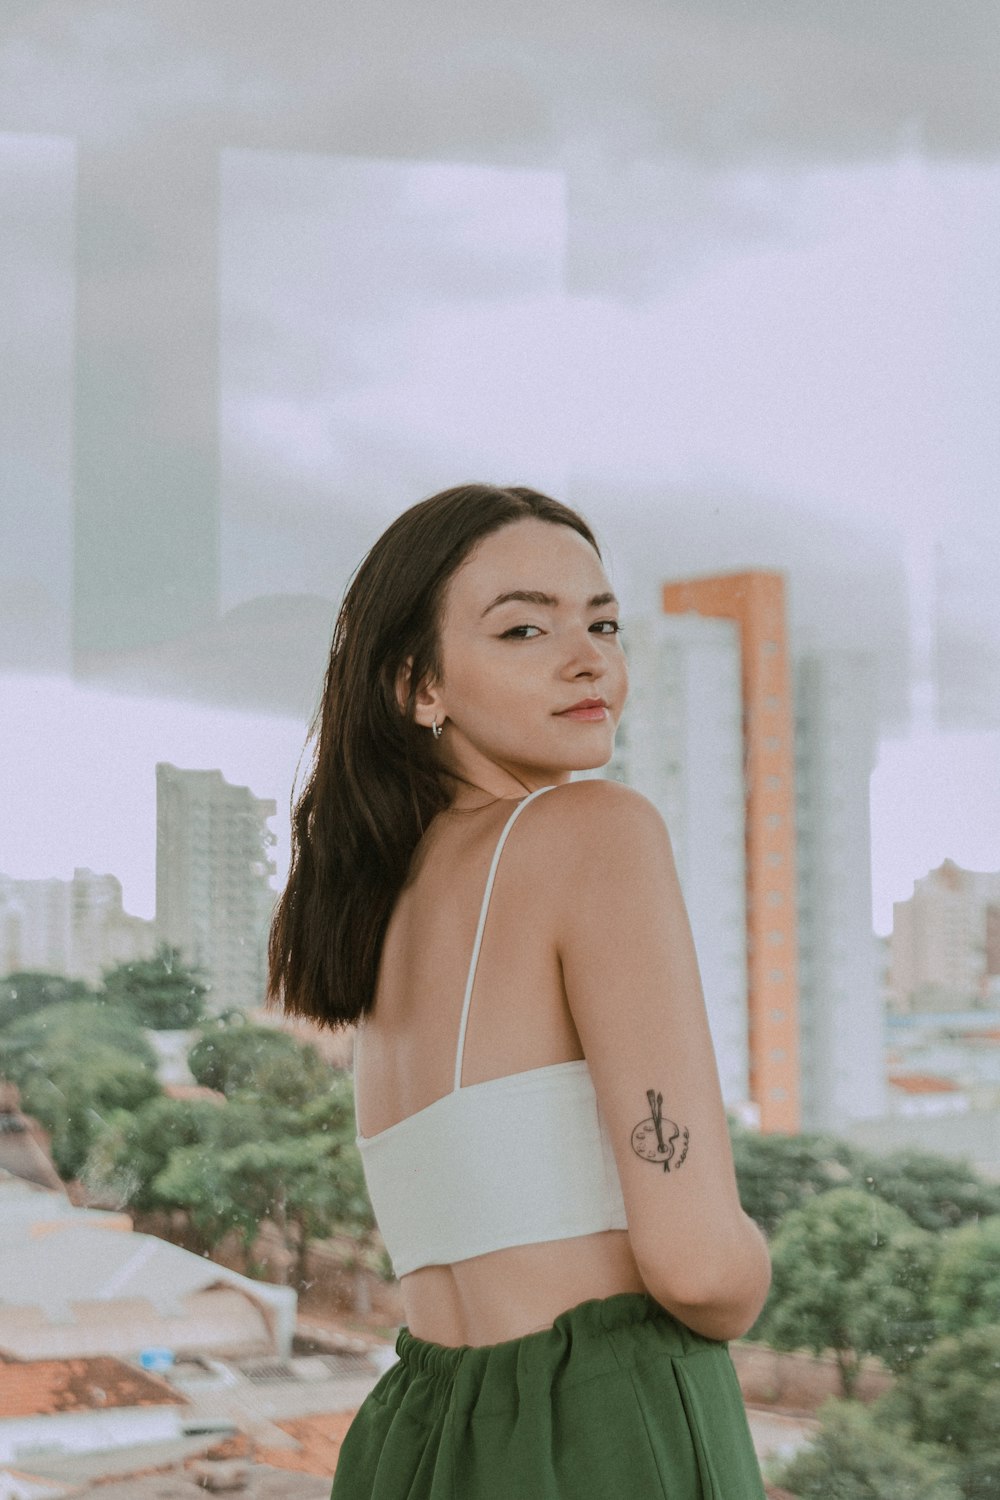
(654,1139)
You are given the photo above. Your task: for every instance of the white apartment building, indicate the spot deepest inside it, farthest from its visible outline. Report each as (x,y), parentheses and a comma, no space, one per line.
(213,896)
(76,928)
(840,1008)
(944,949)
(680,743)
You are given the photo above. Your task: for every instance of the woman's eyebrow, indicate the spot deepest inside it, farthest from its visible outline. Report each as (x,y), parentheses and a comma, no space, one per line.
(534,596)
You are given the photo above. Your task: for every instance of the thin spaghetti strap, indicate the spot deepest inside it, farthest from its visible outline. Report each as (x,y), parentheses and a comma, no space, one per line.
(354,1072)
(460,1049)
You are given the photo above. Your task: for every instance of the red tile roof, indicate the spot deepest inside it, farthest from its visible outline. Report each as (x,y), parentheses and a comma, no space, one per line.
(319,1439)
(923,1083)
(42,1387)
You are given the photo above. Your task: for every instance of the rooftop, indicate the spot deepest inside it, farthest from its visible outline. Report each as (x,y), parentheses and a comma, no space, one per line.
(43,1387)
(53,1266)
(923,1083)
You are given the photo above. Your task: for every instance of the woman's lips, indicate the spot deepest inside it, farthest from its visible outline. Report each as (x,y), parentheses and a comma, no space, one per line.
(595,712)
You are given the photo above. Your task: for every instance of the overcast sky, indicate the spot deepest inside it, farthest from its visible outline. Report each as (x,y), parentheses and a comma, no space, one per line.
(723,276)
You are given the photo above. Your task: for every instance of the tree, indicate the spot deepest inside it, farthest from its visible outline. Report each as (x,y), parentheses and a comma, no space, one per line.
(854,1457)
(304,1186)
(24,993)
(255,1158)
(902,1324)
(76,1064)
(952,1399)
(966,1291)
(936,1192)
(331,1110)
(776,1173)
(131,1150)
(200,1181)
(832,1276)
(162,993)
(236,1055)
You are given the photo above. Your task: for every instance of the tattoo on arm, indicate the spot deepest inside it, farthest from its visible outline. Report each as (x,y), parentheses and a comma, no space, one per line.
(654,1138)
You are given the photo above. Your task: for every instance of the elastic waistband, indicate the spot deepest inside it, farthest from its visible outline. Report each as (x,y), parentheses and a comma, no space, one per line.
(584,1326)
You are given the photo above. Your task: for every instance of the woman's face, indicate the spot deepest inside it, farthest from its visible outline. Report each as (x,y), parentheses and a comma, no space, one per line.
(529,630)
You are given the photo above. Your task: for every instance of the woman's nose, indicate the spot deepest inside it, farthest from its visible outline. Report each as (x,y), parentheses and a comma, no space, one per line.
(586,655)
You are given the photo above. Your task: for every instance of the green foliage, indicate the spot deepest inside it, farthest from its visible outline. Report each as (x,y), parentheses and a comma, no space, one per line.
(777,1173)
(203,1183)
(854,1457)
(849,1274)
(133,1149)
(952,1397)
(76,1064)
(966,1290)
(160,992)
(256,1157)
(305,1184)
(331,1111)
(235,1056)
(24,993)
(937,1192)
(902,1325)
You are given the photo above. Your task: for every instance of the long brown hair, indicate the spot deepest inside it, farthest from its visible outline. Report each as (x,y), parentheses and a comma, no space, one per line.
(375,782)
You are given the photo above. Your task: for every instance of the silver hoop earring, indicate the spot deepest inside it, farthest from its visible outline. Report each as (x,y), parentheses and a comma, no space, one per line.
(437,730)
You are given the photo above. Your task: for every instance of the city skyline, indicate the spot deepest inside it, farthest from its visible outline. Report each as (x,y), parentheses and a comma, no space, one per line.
(934,796)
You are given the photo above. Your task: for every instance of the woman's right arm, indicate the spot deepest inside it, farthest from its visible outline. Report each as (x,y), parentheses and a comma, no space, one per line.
(634,991)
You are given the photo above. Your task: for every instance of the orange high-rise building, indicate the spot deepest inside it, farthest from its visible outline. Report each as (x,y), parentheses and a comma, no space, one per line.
(756,601)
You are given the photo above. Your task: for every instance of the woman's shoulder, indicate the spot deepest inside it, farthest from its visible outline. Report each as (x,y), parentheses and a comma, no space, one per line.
(597,797)
(572,821)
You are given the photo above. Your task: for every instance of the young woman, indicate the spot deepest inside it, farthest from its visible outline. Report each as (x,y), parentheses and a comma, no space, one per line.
(538,1106)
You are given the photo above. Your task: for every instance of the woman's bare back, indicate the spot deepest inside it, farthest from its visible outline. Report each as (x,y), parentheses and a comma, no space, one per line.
(519,1019)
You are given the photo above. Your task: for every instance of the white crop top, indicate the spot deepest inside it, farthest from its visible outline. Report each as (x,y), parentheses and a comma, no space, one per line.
(516,1160)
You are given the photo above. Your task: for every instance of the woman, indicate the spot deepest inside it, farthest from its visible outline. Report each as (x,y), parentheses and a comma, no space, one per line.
(538,1106)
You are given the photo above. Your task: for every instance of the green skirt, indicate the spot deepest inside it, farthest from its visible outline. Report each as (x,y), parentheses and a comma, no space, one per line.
(616,1401)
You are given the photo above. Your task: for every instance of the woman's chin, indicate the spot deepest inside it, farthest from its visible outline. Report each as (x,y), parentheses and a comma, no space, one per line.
(594,762)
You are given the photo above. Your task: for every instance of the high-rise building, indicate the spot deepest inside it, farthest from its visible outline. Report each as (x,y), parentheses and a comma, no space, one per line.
(77,928)
(945,945)
(213,895)
(841,1010)
(755,601)
(680,743)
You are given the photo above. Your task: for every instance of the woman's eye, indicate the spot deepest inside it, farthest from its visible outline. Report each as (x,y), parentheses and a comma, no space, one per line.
(615,627)
(515,633)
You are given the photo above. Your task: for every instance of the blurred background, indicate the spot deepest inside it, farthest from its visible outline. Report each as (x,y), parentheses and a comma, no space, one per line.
(723,276)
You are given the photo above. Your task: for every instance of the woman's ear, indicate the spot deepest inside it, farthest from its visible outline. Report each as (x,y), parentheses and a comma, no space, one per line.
(427,704)
(403,683)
